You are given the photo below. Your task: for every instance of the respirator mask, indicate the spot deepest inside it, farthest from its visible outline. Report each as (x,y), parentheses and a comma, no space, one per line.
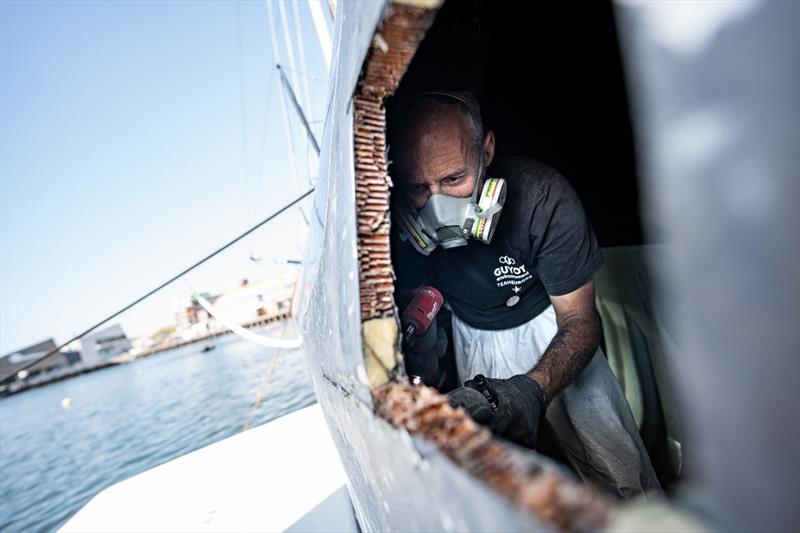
(448,221)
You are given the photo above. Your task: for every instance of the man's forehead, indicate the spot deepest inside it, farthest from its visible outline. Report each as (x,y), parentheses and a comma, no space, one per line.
(441,119)
(438,145)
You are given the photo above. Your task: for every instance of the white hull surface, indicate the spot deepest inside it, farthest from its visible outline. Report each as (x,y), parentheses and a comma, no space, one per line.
(397,482)
(284,475)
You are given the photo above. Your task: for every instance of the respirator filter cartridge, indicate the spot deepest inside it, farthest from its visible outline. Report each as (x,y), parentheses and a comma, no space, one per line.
(487,211)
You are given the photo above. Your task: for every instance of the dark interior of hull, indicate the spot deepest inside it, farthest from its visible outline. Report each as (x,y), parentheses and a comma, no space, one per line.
(550,80)
(551,86)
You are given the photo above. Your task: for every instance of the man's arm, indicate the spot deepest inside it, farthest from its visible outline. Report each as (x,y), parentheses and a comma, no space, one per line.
(575,342)
(522,399)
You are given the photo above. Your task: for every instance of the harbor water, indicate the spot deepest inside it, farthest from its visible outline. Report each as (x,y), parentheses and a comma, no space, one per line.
(56,455)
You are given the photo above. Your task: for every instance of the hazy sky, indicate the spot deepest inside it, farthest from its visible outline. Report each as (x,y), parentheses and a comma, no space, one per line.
(122,155)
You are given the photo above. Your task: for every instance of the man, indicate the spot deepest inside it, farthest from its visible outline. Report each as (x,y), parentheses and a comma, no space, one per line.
(521,291)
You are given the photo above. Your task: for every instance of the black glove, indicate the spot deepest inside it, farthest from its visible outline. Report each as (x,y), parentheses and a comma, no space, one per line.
(520,405)
(422,354)
(473,402)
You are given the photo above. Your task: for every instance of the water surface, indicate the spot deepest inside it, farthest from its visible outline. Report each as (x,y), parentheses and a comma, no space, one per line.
(132,417)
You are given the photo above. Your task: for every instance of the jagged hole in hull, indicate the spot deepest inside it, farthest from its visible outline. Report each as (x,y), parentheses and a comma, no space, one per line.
(551,85)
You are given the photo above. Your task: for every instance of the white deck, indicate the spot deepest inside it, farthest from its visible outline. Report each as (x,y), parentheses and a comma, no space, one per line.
(283,475)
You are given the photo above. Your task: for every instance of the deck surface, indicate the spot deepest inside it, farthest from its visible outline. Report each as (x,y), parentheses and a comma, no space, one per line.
(278,476)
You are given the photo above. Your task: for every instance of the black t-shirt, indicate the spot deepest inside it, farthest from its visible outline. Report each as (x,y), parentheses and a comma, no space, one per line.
(543,246)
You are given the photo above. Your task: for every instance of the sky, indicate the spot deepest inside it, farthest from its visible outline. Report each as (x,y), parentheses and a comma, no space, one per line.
(135,138)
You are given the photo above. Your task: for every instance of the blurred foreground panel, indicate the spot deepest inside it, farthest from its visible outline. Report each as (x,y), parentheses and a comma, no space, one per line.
(715,93)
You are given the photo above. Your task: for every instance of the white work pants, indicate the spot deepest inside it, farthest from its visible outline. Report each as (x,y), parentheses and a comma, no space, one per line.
(590,418)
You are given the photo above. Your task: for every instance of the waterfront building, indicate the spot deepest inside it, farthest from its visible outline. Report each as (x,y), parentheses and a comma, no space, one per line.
(71,356)
(191,320)
(11,363)
(103,345)
(249,301)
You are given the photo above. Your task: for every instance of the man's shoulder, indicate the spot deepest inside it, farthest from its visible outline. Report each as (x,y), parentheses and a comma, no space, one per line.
(524,171)
(528,178)
(522,165)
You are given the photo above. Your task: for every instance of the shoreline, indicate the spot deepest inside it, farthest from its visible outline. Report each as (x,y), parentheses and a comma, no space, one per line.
(126,358)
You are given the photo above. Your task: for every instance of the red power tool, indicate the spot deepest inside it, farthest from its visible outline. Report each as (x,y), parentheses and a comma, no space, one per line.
(421,312)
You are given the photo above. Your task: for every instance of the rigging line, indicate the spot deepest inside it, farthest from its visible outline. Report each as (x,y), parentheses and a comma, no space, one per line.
(332,10)
(302,56)
(164,284)
(286,127)
(266,379)
(275,52)
(244,333)
(262,389)
(323,35)
(306,75)
(292,148)
(287,38)
(296,104)
(243,114)
(277,261)
(312,163)
(264,135)
(293,151)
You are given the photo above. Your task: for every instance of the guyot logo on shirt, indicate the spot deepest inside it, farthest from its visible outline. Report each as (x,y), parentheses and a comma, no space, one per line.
(510,274)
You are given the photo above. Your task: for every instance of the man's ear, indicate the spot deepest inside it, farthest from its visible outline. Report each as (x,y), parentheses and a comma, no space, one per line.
(488,148)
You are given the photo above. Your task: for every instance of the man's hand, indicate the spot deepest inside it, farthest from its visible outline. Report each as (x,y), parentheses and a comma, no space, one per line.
(473,402)
(422,354)
(520,404)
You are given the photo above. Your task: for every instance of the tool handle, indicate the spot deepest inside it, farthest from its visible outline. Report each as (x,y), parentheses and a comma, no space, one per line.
(422,311)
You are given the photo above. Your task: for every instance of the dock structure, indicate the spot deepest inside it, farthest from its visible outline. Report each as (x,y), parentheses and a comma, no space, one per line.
(213,333)
(76,370)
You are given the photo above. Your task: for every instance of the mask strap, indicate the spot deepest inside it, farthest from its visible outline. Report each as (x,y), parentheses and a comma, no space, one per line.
(480,179)
(490,211)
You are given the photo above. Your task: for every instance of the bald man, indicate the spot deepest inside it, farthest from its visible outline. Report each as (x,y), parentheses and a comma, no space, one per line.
(508,244)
